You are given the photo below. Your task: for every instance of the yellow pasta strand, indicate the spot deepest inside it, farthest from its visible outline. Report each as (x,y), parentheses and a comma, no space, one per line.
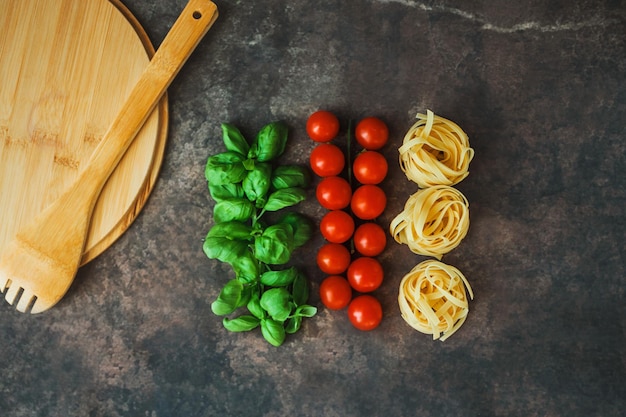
(433,299)
(435,151)
(433,222)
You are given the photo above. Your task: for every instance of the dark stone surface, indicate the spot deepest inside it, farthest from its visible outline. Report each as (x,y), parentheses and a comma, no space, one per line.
(540,89)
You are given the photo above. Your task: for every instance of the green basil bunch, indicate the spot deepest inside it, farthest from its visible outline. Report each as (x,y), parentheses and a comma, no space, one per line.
(246,183)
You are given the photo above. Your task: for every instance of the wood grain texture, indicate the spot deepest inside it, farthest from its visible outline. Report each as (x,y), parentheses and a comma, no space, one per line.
(39,264)
(67,66)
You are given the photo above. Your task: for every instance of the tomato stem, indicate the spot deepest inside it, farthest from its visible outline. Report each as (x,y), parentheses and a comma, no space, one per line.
(349,152)
(349,164)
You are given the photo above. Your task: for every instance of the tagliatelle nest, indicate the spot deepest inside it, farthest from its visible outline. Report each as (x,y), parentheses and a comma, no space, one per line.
(433,222)
(433,299)
(435,151)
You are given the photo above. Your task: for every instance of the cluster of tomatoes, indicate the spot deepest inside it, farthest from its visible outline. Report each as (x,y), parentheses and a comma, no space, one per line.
(362,272)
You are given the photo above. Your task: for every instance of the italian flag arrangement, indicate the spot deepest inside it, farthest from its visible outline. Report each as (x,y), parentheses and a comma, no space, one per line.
(435,154)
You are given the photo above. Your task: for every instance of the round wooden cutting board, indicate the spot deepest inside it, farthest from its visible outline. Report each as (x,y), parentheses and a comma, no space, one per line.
(66,68)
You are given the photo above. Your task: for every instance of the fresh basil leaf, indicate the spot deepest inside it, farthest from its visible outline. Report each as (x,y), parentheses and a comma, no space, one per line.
(269,143)
(228,299)
(279,278)
(225,168)
(257,182)
(243,323)
(293,324)
(303,227)
(224,249)
(258,227)
(249,164)
(273,332)
(286,197)
(245,296)
(233,230)
(287,176)
(274,246)
(254,306)
(221,192)
(246,267)
(305,310)
(234,140)
(260,202)
(276,302)
(300,290)
(230,209)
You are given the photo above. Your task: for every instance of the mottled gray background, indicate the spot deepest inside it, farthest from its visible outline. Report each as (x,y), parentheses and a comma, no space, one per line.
(539,88)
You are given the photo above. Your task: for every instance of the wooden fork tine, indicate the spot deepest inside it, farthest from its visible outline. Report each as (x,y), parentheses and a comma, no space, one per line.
(16,293)
(12,293)
(26,301)
(22,298)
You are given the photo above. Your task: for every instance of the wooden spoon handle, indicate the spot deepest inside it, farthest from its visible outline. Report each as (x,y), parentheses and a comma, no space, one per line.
(192,24)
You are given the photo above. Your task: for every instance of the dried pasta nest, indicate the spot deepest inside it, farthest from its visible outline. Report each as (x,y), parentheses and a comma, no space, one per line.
(433,222)
(433,299)
(435,151)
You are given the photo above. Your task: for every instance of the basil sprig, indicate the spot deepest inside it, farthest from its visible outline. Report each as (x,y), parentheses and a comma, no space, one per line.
(246,183)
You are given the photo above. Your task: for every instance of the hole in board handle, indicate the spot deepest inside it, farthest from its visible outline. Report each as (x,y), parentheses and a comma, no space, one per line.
(197,15)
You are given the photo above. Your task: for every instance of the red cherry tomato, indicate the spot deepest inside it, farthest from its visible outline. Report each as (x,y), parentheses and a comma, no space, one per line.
(337,226)
(368,202)
(370,167)
(365,312)
(327,160)
(335,292)
(333,258)
(371,133)
(365,274)
(334,193)
(322,126)
(370,239)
